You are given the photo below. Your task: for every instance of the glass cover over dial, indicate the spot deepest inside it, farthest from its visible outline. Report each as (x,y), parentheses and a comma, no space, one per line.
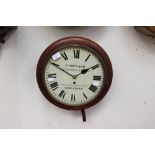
(74,75)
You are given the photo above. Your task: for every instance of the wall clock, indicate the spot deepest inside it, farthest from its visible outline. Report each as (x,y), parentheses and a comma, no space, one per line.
(74,73)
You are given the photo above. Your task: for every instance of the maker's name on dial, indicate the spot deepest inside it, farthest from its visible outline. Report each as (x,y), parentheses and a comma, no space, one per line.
(74,88)
(74,66)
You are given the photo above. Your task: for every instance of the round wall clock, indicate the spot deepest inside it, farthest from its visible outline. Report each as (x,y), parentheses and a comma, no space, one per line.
(74,73)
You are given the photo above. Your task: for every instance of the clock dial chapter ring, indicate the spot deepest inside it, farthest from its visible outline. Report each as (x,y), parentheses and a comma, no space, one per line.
(72,73)
(77,42)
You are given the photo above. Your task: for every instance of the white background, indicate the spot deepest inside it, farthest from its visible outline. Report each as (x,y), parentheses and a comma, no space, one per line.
(130,102)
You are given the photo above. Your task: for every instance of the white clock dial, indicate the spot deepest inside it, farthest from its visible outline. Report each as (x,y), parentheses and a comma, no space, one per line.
(74,75)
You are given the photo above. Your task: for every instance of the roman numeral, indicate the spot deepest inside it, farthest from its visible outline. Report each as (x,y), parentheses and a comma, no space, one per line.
(87,57)
(52,75)
(96,66)
(93,88)
(84,95)
(72,97)
(76,54)
(97,78)
(54,85)
(64,56)
(62,94)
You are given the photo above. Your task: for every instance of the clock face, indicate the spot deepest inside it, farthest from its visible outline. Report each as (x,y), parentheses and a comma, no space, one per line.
(74,75)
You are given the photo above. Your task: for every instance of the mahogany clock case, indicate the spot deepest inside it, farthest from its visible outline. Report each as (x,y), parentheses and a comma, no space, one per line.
(70,41)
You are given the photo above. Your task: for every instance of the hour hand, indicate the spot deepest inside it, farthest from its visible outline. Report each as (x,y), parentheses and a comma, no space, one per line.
(84,71)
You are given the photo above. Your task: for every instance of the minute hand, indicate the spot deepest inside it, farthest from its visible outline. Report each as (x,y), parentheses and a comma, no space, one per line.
(57,66)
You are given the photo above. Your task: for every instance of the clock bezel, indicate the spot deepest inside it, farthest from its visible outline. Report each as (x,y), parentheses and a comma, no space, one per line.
(67,41)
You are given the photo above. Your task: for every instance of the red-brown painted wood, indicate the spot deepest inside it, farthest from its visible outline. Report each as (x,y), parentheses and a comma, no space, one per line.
(67,42)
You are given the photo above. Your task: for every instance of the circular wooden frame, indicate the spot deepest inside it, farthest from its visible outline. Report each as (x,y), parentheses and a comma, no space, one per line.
(66,42)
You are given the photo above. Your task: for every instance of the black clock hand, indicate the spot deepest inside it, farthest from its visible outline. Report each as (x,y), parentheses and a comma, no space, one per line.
(84,71)
(56,65)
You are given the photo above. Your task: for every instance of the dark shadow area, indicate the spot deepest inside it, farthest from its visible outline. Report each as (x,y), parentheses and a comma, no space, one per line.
(5,31)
